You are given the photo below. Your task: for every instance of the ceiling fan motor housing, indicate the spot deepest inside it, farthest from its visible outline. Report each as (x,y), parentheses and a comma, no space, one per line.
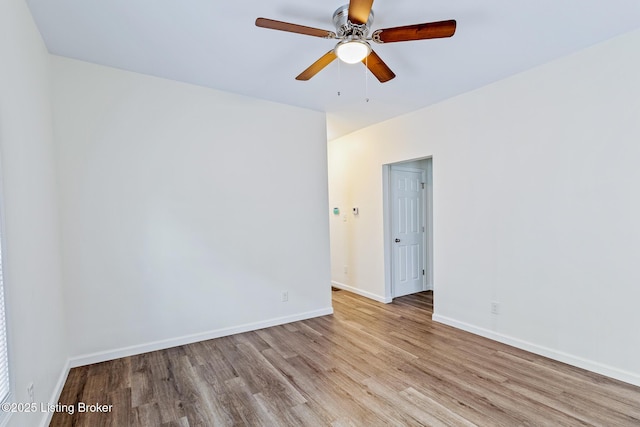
(348,30)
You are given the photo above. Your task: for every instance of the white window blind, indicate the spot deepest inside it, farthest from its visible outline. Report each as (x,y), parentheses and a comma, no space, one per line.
(4,353)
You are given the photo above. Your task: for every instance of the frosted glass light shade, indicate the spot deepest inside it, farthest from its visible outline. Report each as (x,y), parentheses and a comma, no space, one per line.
(352,51)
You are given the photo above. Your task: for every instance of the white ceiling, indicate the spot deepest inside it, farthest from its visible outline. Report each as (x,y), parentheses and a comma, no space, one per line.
(215,44)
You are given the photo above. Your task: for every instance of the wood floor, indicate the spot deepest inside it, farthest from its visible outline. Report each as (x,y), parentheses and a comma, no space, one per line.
(369,364)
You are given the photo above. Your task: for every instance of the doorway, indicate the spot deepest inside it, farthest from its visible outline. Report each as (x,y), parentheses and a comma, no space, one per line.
(408,194)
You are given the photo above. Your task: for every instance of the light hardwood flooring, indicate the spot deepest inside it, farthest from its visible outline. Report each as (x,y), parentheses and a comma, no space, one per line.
(369,364)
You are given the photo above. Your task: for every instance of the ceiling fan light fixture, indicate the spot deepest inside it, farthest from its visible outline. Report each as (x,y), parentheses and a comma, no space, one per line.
(352,51)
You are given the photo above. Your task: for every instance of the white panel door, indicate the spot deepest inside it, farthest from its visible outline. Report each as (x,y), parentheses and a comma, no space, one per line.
(407,226)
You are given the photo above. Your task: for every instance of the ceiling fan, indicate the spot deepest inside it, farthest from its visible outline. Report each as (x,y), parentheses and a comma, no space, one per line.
(353,22)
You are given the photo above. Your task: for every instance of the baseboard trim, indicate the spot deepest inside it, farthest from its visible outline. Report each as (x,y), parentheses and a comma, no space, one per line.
(104,356)
(589,365)
(57,391)
(360,292)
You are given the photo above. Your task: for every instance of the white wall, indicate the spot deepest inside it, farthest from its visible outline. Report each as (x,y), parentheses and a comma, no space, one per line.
(186,212)
(37,338)
(535,206)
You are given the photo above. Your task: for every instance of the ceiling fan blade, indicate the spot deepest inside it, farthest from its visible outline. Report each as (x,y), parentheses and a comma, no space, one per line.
(359,11)
(431,30)
(317,66)
(377,66)
(294,28)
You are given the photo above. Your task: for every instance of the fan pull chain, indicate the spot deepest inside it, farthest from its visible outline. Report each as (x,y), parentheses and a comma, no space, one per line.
(366,79)
(339,77)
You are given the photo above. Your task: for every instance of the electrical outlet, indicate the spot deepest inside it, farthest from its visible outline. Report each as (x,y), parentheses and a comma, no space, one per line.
(285,296)
(495,307)
(346,270)
(30,392)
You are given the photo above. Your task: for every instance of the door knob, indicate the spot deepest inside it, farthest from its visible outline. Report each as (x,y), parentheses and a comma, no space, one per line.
(397,240)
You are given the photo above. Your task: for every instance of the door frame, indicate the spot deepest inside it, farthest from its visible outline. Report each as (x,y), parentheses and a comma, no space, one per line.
(427,261)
